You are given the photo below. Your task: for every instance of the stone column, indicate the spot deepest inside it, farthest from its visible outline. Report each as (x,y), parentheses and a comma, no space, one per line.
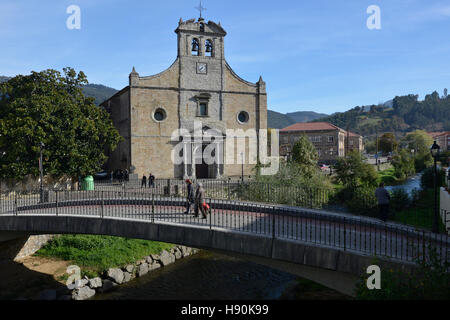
(185,148)
(194,175)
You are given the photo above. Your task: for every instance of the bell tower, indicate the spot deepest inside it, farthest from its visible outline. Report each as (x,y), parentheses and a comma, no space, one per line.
(196,38)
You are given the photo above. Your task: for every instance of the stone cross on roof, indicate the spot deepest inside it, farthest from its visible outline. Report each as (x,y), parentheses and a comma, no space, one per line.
(200,8)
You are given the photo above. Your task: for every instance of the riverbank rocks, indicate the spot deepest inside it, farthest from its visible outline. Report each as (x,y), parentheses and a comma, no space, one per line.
(129,268)
(155,265)
(83,293)
(166,258)
(142,270)
(115,274)
(86,288)
(95,283)
(126,277)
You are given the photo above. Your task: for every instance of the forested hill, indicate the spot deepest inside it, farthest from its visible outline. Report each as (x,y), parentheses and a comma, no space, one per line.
(278,120)
(97,91)
(407,114)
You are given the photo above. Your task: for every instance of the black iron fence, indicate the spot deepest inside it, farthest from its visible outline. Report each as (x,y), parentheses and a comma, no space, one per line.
(359,234)
(364,204)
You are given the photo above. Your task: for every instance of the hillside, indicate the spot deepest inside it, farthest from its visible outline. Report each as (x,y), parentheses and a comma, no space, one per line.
(305,116)
(406,114)
(278,120)
(97,91)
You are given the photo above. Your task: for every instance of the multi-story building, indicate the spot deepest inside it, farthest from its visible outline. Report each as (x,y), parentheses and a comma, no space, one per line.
(443,140)
(331,142)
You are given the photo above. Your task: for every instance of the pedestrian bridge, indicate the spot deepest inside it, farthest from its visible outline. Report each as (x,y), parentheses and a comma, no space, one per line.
(329,248)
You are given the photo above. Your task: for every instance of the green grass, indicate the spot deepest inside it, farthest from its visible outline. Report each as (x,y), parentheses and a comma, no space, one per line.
(98,253)
(388,177)
(421,213)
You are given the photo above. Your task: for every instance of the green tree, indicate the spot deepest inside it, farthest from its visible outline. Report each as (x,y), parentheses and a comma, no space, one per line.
(305,155)
(387,143)
(404,165)
(353,172)
(50,107)
(420,142)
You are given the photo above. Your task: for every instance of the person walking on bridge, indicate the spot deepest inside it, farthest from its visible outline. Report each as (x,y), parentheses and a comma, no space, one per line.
(199,200)
(190,196)
(383,198)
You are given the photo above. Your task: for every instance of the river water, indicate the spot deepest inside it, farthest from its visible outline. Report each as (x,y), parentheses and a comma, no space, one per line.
(205,276)
(409,185)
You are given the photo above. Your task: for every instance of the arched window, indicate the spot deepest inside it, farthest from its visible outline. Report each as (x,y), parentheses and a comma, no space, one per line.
(202,27)
(209,48)
(195,50)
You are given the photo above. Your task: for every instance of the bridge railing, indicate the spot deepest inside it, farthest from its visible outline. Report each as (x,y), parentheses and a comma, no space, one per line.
(345,232)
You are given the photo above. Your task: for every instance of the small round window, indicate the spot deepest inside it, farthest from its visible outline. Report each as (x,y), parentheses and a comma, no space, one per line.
(159,115)
(243,117)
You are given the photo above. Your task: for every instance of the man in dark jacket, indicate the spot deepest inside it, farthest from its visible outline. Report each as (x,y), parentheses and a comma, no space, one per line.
(144,182)
(199,199)
(383,198)
(190,196)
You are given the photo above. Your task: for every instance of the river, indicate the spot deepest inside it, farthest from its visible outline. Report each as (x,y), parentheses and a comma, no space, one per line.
(409,185)
(211,276)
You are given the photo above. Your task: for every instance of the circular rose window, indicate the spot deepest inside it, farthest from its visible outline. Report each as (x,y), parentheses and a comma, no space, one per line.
(160,115)
(243,117)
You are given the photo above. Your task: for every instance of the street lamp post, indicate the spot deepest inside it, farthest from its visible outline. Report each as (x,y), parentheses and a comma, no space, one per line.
(41,173)
(435,150)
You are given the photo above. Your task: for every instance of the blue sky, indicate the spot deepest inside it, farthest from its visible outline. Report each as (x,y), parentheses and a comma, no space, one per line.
(314,55)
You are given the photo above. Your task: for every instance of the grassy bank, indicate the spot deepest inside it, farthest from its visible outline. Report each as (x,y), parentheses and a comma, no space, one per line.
(94,254)
(421,213)
(388,177)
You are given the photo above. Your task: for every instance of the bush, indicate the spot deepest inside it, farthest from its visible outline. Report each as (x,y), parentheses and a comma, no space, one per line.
(430,281)
(400,200)
(427,179)
(362,201)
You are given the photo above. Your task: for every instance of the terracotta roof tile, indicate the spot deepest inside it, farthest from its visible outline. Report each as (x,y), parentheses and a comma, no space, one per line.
(311,126)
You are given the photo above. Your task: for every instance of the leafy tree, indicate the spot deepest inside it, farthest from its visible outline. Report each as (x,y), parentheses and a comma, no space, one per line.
(387,143)
(50,107)
(420,142)
(305,155)
(353,172)
(403,164)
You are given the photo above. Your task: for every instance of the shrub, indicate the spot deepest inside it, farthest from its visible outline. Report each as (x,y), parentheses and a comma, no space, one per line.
(363,201)
(427,179)
(430,281)
(400,200)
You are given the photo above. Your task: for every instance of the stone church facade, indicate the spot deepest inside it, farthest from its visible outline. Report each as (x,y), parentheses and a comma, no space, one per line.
(199,87)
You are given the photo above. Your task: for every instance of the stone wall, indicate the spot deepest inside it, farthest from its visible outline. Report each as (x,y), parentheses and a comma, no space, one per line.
(23,247)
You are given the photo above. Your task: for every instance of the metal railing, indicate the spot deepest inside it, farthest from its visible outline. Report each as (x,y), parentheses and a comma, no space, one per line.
(350,233)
